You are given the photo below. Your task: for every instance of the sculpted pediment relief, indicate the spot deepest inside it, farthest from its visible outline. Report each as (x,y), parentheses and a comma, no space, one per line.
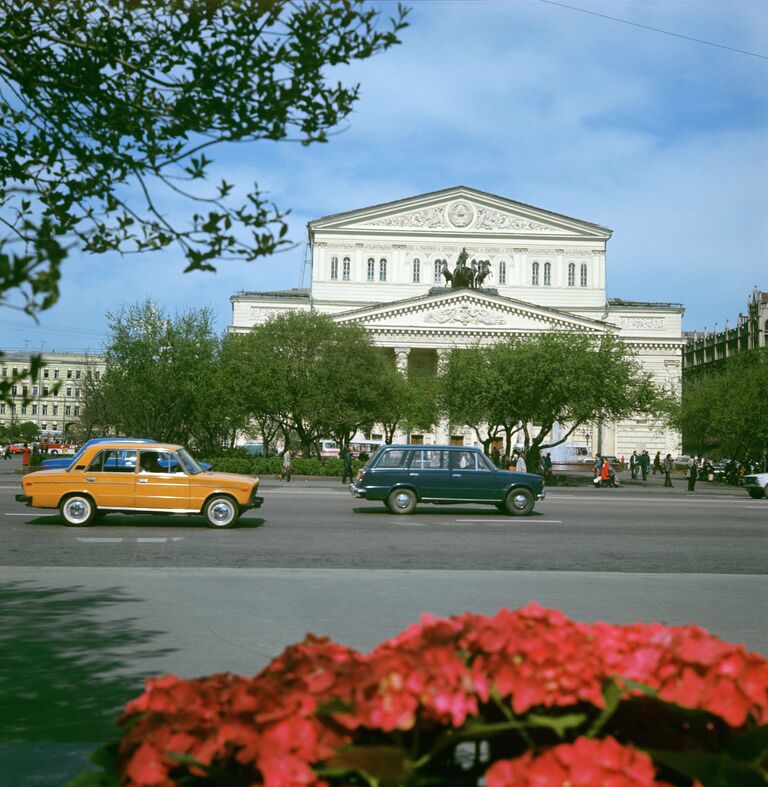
(468,311)
(462,211)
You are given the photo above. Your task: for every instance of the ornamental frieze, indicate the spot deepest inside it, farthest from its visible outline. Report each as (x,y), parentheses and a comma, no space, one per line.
(464,216)
(643,322)
(465,315)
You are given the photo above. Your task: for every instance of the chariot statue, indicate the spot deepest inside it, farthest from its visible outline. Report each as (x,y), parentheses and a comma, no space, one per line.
(463,275)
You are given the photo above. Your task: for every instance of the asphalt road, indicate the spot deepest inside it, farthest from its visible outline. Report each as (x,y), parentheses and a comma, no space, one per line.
(87,612)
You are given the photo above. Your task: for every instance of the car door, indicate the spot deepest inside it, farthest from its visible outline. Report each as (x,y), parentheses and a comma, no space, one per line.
(429,473)
(471,478)
(161,483)
(111,478)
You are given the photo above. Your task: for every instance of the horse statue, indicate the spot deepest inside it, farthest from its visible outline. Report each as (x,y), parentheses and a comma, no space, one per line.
(448,275)
(463,276)
(483,272)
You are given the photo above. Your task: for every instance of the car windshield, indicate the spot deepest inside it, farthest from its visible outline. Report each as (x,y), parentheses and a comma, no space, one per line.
(74,459)
(188,463)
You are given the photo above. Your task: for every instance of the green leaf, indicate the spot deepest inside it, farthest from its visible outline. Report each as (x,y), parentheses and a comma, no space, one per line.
(751,745)
(558,724)
(388,765)
(712,770)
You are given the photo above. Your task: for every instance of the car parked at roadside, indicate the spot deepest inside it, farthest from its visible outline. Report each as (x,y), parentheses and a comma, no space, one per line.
(756,484)
(401,476)
(139,477)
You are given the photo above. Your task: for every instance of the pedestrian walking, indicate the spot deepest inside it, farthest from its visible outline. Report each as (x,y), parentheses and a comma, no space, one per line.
(25,457)
(546,465)
(520,465)
(347,459)
(633,465)
(287,463)
(667,470)
(645,461)
(657,463)
(692,473)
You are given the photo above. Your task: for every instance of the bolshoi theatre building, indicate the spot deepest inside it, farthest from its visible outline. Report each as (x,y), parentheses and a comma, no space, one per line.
(388,267)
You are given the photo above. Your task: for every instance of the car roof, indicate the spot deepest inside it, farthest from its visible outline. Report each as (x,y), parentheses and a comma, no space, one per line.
(95,440)
(128,444)
(433,447)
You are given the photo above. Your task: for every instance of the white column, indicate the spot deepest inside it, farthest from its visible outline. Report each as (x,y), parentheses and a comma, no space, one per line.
(401,359)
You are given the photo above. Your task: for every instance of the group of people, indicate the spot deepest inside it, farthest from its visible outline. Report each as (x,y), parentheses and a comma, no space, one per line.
(604,475)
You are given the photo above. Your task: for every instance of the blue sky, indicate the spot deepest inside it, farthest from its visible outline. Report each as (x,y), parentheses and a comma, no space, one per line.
(660,138)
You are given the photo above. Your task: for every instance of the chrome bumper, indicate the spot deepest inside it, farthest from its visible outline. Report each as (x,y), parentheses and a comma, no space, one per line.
(26,499)
(356,491)
(541,495)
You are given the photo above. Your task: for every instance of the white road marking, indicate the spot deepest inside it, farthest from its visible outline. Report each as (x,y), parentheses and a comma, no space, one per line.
(411,524)
(516,519)
(143,540)
(161,540)
(101,540)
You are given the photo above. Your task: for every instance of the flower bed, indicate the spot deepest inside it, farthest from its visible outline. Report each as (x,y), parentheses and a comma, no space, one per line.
(526,697)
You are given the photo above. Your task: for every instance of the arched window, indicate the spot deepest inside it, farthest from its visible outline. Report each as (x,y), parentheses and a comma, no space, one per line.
(371,269)
(571,274)
(502,272)
(535,274)
(334,267)
(547,274)
(438,277)
(584,274)
(382,269)
(346,267)
(416,271)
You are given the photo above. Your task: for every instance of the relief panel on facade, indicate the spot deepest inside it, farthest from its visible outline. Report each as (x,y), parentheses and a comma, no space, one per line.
(465,315)
(462,215)
(644,323)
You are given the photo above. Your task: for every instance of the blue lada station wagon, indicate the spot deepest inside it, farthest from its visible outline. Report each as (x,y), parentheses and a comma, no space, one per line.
(403,475)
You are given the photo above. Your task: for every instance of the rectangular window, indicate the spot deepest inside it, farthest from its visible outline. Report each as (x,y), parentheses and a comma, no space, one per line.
(55,374)
(571,275)
(430,460)
(23,410)
(371,269)
(438,277)
(583,275)
(334,267)
(67,410)
(382,269)
(45,409)
(2,408)
(77,393)
(55,409)
(502,272)
(69,390)
(416,271)
(34,409)
(77,374)
(45,373)
(45,390)
(98,375)
(5,371)
(345,271)
(113,460)
(35,389)
(394,457)
(69,374)
(77,411)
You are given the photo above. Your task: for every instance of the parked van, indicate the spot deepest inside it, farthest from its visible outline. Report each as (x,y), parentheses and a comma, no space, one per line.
(329,449)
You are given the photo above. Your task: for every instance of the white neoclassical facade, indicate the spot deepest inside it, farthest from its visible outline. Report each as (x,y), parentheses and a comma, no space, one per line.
(382,266)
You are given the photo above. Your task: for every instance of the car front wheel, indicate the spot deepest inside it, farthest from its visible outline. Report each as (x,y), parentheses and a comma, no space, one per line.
(221,512)
(77,510)
(401,501)
(519,502)
(757,493)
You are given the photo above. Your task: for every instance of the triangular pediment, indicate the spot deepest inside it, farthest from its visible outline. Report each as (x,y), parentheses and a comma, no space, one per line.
(469,311)
(461,211)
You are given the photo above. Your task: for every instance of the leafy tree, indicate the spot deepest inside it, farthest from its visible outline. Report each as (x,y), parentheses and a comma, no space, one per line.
(405,403)
(161,379)
(109,110)
(539,381)
(726,410)
(309,375)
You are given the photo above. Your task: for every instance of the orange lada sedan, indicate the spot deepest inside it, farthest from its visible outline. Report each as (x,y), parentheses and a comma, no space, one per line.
(155,478)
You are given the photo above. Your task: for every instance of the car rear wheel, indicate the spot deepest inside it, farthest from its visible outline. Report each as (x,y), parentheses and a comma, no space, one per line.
(221,512)
(77,510)
(519,502)
(757,493)
(401,501)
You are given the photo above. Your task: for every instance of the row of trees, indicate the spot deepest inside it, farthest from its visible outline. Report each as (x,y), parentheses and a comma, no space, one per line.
(302,375)
(725,409)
